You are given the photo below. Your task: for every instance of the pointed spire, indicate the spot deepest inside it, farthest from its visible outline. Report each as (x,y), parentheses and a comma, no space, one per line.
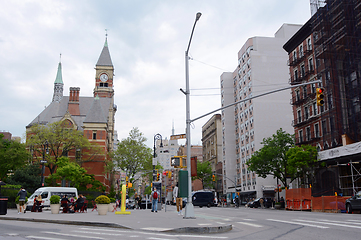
(58,84)
(59,76)
(104,59)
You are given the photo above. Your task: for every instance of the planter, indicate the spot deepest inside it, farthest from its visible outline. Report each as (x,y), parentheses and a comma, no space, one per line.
(111,207)
(55,208)
(278,206)
(102,209)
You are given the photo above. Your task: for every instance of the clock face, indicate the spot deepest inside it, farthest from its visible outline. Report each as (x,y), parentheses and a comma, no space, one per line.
(103,77)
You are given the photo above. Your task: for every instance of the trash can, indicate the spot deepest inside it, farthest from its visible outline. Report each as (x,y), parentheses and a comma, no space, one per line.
(3,205)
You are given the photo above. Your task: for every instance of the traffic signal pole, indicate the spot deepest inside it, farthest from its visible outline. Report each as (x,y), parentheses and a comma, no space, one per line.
(249,98)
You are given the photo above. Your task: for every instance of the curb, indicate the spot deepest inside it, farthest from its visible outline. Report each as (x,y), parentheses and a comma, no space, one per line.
(199,230)
(221,229)
(97,224)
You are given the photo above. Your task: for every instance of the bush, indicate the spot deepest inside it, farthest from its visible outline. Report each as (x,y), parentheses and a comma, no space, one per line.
(102,199)
(54,199)
(17,200)
(112,200)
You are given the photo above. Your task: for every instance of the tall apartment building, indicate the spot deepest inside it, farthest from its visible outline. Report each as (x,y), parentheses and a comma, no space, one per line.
(212,148)
(328,48)
(164,154)
(262,66)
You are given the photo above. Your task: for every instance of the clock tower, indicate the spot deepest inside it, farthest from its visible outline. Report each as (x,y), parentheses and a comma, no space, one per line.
(104,72)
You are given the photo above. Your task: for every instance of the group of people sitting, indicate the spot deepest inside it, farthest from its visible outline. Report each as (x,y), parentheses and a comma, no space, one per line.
(37,207)
(71,206)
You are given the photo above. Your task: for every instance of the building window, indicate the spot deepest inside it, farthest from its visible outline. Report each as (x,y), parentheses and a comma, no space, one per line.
(299,116)
(308,133)
(324,128)
(303,71)
(297,95)
(314,109)
(294,55)
(306,113)
(310,64)
(301,51)
(309,44)
(296,75)
(313,88)
(304,91)
(300,135)
(94,135)
(317,131)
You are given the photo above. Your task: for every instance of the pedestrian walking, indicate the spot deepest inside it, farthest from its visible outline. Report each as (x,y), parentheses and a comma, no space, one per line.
(154,197)
(178,199)
(22,195)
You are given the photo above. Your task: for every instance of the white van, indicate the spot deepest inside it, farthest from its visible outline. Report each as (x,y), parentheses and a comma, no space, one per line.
(47,192)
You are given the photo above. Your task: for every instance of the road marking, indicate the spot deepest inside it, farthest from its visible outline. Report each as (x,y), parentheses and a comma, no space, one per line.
(329,223)
(204,224)
(248,219)
(250,224)
(71,235)
(297,223)
(47,238)
(99,233)
(325,220)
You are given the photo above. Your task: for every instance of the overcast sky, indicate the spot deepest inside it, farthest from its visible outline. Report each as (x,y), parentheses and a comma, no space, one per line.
(147,42)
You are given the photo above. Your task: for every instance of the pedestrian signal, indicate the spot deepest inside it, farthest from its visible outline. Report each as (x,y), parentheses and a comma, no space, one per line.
(175,161)
(320,96)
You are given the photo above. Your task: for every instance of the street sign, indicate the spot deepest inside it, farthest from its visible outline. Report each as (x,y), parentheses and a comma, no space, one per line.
(43,161)
(179,136)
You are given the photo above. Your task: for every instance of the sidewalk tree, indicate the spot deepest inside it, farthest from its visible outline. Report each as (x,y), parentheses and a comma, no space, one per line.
(76,175)
(282,159)
(59,139)
(28,176)
(133,156)
(13,156)
(204,174)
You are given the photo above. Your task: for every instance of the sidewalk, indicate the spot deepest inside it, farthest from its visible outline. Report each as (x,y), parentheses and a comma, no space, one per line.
(143,220)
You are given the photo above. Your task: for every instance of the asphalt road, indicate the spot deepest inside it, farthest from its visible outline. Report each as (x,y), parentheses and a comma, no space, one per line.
(247,224)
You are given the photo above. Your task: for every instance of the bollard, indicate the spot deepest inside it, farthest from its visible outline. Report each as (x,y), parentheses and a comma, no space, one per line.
(122,207)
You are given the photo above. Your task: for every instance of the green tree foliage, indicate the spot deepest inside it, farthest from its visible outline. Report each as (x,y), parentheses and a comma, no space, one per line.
(27,176)
(13,155)
(133,156)
(59,139)
(280,158)
(75,175)
(204,173)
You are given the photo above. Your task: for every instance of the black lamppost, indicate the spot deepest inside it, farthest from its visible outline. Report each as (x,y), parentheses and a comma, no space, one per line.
(46,149)
(156,137)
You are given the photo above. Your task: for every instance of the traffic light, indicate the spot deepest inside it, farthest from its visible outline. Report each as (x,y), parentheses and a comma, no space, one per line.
(158,176)
(169,174)
(320,96)
(213,178)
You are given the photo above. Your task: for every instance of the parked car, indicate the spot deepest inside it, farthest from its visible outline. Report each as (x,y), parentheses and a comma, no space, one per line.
(201,199)
(353,203)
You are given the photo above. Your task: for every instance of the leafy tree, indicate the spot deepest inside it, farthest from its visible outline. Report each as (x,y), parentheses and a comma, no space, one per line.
(13,155)
(59,139)
(280,158)
(204,173)
(133,156)
(76,175)
(302,161)
(28,176)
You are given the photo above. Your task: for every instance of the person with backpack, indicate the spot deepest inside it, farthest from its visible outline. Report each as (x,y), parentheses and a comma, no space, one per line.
(154,197)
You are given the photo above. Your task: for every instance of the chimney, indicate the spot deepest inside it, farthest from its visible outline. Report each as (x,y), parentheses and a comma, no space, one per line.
(73,105)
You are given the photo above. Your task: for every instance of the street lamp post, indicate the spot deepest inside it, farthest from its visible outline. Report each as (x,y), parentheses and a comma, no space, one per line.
(46,149)
(189,211)
(156,137)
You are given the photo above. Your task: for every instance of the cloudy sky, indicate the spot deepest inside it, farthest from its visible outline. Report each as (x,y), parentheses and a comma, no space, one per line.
(147,41)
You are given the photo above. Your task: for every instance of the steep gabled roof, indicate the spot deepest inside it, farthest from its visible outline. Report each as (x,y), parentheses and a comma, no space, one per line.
(96,113)
(104,59)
